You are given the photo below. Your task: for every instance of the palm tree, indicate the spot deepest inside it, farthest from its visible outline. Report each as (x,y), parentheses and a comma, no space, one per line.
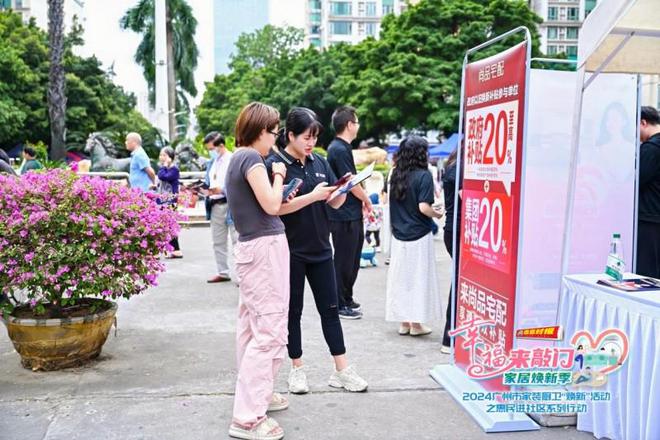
(182,52)
(56,81)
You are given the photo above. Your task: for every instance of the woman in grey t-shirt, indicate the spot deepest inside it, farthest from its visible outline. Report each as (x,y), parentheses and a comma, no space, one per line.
(262,266)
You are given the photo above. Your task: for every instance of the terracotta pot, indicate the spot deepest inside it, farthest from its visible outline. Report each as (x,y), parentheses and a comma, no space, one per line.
(53,344)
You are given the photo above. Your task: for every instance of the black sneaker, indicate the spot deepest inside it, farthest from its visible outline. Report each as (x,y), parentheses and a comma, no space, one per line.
(348,313)
(353,305)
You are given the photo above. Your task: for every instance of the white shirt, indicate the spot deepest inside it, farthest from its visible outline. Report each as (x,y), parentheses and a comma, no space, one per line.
(218,174)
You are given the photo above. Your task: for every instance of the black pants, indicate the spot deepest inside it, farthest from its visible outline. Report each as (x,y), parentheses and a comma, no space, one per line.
(321,277)
(175,241)
(376,235)
(648,249)
(449,244)
(347,238)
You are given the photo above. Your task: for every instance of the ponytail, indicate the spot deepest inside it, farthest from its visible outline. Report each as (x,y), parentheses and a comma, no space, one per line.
(281,141)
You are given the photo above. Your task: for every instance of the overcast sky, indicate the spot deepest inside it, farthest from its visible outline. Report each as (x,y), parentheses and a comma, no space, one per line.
(105,39)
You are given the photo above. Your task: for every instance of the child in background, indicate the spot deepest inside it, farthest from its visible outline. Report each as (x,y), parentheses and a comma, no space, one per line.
(373,222)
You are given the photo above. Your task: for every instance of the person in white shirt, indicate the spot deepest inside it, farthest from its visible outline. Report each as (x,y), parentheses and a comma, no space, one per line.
(221,223)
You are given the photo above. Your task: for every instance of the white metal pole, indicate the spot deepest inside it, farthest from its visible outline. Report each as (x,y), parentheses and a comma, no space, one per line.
(572,175)
(456,236)
(523,177)
(162,105)
(633,267)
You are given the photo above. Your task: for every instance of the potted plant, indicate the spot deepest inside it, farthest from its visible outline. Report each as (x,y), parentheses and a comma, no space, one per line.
(69,245)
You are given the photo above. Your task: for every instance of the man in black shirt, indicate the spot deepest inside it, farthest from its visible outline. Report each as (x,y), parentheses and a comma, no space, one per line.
(648,229)
(346,222)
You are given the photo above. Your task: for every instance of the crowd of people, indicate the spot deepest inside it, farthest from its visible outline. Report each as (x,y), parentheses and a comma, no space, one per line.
(314,235)
(283,238)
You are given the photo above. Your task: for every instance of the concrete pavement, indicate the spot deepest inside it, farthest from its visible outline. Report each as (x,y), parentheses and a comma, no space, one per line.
(169,372)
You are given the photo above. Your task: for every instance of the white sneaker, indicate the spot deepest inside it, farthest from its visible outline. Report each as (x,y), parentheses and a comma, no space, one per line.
(298,381)
(348,379)
(445,349)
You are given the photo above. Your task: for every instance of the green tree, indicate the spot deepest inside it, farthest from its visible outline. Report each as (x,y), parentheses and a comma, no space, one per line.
(182,52)
(266,46)
(262,58)
(308,83)
(56,80)
(23,81)
(222,101)
(411,77)
(23,73)
(94,102)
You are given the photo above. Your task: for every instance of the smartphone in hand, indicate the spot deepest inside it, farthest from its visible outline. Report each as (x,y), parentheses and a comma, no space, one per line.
(342,181)
(290,187)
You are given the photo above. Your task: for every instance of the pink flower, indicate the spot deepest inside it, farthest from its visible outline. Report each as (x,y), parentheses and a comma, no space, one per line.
(62,270)
(120,230)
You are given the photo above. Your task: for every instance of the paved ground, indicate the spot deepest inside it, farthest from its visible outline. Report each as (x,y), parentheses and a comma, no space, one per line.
(169,372)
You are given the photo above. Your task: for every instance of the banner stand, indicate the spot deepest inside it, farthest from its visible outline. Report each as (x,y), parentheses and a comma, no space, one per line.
(454,380)
(451,377)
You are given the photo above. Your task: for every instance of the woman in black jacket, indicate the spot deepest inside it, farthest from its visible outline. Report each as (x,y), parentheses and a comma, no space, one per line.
(308,233)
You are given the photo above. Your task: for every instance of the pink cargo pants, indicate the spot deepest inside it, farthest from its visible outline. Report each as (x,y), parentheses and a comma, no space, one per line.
(262,266)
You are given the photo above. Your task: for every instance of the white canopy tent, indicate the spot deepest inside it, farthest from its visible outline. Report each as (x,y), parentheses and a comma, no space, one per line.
(619,36)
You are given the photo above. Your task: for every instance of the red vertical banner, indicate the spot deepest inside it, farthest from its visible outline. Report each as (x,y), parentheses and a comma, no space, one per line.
(494,109)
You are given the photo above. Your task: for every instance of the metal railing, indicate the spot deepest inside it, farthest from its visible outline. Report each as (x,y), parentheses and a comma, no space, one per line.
(115,175)
(186,177)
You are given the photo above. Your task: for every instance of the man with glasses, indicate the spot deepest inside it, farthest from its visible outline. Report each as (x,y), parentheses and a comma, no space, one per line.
(222,227)
(346,224)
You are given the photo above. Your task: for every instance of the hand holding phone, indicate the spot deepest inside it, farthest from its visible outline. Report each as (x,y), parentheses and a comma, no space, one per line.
(322,191)
(439,210)
(198,187)
(342,181)
(291,187)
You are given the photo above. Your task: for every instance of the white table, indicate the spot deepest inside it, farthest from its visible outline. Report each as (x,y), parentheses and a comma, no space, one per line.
(634,410)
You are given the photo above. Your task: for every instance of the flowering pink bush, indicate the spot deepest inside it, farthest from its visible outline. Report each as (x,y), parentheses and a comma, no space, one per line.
(64,237)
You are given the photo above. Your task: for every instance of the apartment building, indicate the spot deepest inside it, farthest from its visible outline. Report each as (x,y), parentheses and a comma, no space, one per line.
(20,6)
(562,20)
(347,21)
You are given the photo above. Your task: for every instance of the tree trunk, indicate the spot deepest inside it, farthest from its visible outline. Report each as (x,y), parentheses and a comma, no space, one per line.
(56,82)
(171,77)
